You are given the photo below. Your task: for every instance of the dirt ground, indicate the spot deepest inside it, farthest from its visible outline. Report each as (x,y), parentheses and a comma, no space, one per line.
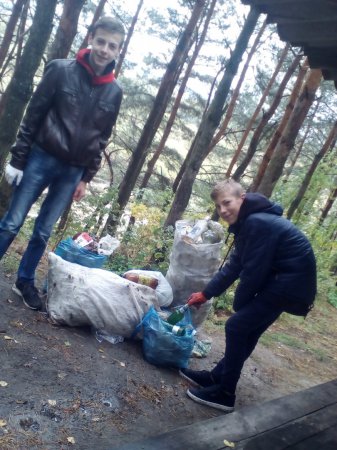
(60,388)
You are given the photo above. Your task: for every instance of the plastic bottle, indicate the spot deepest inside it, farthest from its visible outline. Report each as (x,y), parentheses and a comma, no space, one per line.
(199,228)
(142,279)
(177,315)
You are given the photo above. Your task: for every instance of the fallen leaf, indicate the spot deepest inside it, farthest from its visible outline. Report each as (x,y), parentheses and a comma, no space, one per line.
(3,383)
(71,440)
(3,423)
(52,402)
(229,443)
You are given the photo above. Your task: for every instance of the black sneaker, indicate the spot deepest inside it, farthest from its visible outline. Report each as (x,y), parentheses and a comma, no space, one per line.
(213,396)
(29,294)
(199,378)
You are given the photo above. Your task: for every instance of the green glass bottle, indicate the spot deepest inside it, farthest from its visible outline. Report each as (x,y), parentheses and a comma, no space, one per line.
(177,315)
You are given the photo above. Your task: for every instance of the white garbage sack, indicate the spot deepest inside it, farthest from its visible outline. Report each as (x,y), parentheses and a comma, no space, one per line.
(192,265)
(79,295)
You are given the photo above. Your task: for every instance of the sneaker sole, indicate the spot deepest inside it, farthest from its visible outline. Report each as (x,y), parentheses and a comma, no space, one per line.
(18,292)
(224,408)
(194,383)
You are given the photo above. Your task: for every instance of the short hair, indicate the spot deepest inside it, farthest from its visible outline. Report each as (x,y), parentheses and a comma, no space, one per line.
(229,185)
(109,24)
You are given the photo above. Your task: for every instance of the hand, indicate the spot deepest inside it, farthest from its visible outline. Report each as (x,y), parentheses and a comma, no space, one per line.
(13,175)
(196,299)
(80,191)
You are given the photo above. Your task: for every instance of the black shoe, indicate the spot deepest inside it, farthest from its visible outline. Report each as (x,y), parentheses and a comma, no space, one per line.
(199,378)
(213,396)
(29,294)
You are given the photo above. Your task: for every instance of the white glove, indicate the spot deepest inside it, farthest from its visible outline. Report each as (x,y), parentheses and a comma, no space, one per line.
(13,175)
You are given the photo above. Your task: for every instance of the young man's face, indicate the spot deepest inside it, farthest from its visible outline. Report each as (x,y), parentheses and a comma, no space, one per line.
(105,48)
(228,206)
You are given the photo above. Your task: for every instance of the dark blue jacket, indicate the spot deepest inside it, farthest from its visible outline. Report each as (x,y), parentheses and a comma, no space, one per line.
(270,254)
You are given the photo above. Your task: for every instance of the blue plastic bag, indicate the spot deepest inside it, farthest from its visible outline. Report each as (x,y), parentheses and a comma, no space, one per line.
(71,252)
(161,346)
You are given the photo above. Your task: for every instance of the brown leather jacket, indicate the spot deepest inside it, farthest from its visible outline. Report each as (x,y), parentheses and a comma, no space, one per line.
(70,116)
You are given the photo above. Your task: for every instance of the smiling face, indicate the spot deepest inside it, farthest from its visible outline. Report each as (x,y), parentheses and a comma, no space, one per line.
(105,48)
(228,205)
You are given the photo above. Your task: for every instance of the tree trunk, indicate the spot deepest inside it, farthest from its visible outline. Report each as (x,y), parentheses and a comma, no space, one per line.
(97,15)
(161,145)
(66,30)
(280,129)
(286,143)
(128,38)
(229,112)
(9,32)
(328,146)
(328,205)
(152,123)
(20,87)
(264,120)
(210,121)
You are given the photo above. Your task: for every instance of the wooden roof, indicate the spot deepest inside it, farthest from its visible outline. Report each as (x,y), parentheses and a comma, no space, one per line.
(309,24)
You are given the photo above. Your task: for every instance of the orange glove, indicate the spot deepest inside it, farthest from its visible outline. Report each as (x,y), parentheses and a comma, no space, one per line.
(196,299)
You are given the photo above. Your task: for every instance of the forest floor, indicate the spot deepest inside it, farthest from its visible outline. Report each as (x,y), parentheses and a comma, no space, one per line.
(60,388)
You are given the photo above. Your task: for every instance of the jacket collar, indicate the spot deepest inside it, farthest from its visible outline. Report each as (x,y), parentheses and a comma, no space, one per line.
(82,58)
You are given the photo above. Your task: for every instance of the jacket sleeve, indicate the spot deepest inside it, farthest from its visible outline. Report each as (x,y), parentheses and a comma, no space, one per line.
(93,168)
(37,109)
(224,277)
(258,250)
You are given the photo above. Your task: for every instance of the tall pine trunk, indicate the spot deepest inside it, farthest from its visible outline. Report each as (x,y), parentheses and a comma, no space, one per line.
(286,143)
(97,15)
(210,122)
(128,38)
(171,119)
(328,146)
(264,120)
(66,30)
(280,129)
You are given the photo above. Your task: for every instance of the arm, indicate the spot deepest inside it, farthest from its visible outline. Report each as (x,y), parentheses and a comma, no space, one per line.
(92,169)
(37,109)
(258,252)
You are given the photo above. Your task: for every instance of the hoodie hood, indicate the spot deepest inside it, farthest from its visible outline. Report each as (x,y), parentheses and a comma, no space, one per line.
(82,58)
(254,203)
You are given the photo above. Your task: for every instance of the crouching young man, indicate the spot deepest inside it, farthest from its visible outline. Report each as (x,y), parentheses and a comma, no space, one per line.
(276,268)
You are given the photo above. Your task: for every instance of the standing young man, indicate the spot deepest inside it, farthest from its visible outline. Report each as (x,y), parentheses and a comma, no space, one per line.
(276,267)
(60,142)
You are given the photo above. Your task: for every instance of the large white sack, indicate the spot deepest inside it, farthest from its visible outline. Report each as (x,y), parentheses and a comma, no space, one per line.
(79,295)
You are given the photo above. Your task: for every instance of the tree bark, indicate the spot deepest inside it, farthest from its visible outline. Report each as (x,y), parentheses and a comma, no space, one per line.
(210,122)
(328,146)
(177,102)
(229,112)
(257,111)
(66,30)
(278,133)
(128,38)
(20,87)
(328,205)
(97,15)
(152,123)
(264,120)
(9,32)
(286,143)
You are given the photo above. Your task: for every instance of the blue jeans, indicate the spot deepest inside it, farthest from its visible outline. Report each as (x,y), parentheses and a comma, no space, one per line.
(243,330)
(42,170)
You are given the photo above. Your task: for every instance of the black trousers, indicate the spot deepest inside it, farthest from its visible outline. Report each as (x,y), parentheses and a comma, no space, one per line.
(243,330)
